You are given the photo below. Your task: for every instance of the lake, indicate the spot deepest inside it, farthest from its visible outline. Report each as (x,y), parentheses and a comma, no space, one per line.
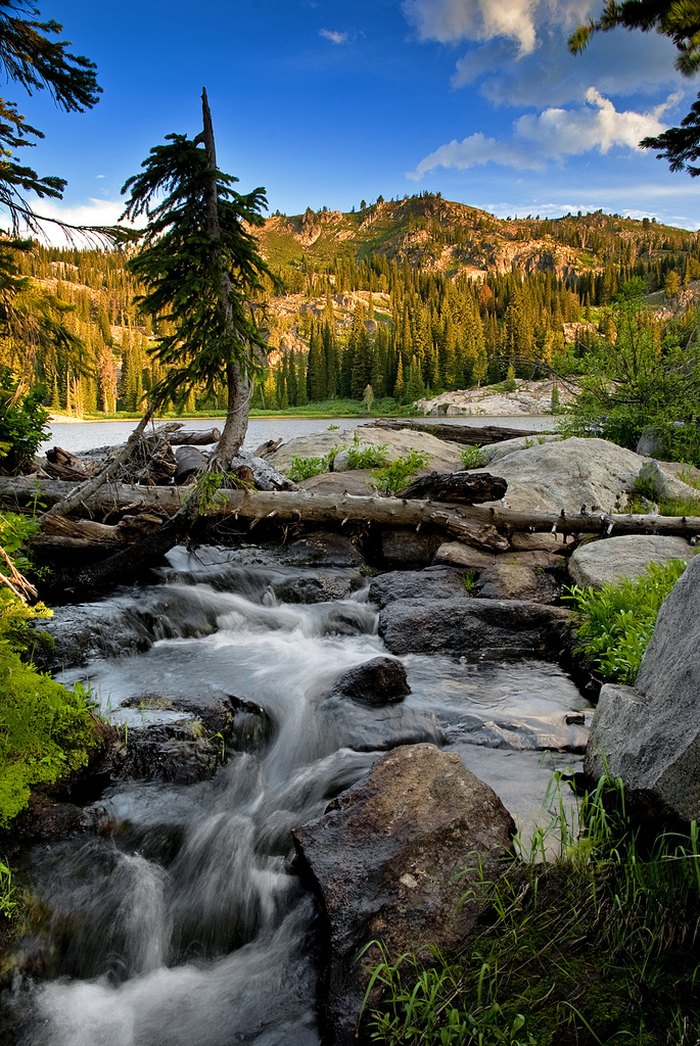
(86,435)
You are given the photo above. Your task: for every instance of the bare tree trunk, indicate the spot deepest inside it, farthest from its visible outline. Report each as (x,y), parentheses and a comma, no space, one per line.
(237,380)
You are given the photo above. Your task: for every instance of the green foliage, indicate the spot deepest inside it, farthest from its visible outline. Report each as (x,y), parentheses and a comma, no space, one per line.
(398,474)
(642,376)
(304,468)
(367,456)
(23,424)
(593,941)
(473,458)
(615,622)
(46,731)
(470,580)
(8,901)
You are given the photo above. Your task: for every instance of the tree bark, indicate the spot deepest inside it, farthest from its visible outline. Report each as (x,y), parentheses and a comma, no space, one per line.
(193,437)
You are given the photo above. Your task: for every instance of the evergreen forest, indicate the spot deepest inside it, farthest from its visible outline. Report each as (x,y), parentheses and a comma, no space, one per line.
(407,298)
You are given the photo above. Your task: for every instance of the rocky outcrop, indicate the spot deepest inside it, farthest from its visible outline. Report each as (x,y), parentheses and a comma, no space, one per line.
(599,562)
(649,734)
(400,858)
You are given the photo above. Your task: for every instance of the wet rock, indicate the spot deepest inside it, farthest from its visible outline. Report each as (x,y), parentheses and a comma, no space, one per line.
(598,562)
(168,752)
(531,576)
(476,629)
(649,734)
(380,681)
(378,729)
(395,858)
(436,582)
(226,721)
(317,587)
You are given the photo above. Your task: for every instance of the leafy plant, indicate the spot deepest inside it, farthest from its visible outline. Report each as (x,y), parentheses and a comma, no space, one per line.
(8,901)
(367,456)
(398,474)
(473,458)
(23,423)
(615,621)
(301,468)
(469,580)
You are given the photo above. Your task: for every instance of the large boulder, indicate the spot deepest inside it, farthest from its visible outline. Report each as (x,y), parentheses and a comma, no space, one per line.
(566,474)
(599,562)
(379,681)
(649,734)
(475,629)
(442,456)
(400,857)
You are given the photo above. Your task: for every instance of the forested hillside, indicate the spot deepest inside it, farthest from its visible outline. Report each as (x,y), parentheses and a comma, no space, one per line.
(408,297)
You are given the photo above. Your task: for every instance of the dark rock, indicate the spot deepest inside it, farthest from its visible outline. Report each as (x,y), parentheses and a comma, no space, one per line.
(399,857)
(316,587)
(476,629)
(402,546)
(438,582)
(324,548)
(167,752)
(649,734)
(381,681)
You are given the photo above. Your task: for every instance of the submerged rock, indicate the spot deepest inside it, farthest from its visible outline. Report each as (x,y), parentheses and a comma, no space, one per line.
(380,681)
(399,857)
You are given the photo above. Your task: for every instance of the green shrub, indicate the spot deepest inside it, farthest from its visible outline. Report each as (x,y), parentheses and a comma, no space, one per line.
(8,901)
(46,731)
(399,473)
(367,456)
(304,468)
(473,458)
(23,424)
(615,622)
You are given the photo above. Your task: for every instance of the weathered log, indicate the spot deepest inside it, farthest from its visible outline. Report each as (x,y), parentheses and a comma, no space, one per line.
(465,487)
(61,464)
(193,437)
(301,506)
(470,435)
(190,461)
(89,534)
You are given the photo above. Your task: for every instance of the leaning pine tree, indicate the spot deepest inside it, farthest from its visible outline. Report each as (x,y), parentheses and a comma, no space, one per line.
(202,272)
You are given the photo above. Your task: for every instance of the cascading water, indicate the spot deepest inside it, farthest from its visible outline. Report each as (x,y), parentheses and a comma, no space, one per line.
(182,923)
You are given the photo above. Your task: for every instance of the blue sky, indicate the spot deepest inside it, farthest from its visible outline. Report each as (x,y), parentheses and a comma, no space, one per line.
(328,103)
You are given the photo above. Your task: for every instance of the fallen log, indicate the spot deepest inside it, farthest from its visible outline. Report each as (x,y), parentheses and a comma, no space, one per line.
(190,461)
(61,464)
(469,435)
(301,506)
(193,437)
(465,487)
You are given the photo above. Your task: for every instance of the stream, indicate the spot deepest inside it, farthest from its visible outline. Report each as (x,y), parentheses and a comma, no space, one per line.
(181,921)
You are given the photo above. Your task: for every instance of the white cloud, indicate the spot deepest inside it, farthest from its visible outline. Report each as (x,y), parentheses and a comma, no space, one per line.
(94,212)
(551,136)
(454,21)
(334,35)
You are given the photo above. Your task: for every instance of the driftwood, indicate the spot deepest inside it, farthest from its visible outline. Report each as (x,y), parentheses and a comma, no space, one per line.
(469,435)
(193,438)
(61,464)
(465,487)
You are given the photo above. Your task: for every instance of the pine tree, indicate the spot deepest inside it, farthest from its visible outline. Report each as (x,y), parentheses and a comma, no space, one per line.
(201,269)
